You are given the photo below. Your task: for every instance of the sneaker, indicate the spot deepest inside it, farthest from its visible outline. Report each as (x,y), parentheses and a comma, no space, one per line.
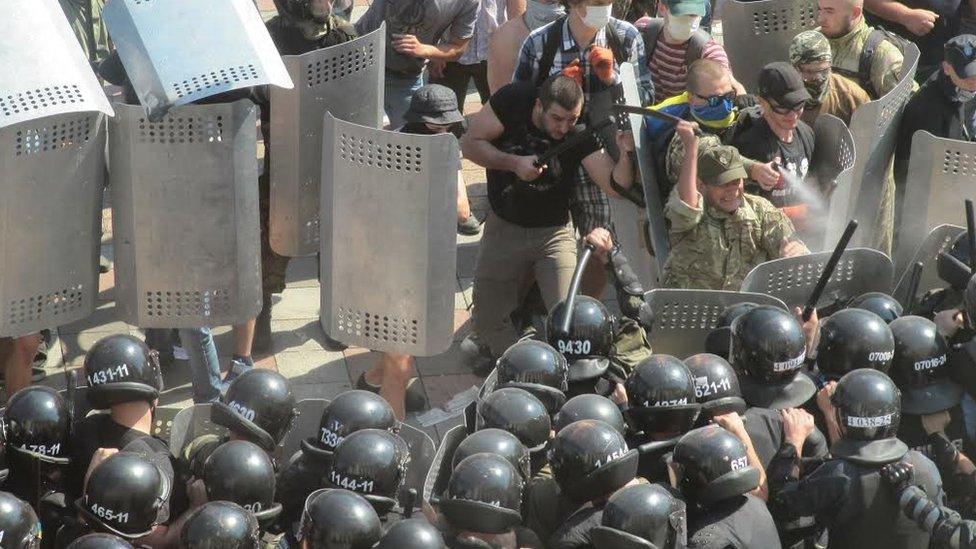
(333,345)
(237,367)
(414,401)
(179,353)
(470,226)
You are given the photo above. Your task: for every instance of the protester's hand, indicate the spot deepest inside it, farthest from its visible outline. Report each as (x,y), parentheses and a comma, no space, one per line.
(408,44)
(732,422)
(797,425)
(792,247)
(602,242)
(898,475)
(436,68)
(948,322)
(601,60)
(526,170)
(919,22)
(619,395)
(686,132)
(766,174)
(625,142)
(823,398)
(936,423)
(574,71)
(810,327)
(196,493)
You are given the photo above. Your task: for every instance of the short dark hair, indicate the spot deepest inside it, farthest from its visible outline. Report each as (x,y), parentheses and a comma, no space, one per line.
(703,70)
(562,90)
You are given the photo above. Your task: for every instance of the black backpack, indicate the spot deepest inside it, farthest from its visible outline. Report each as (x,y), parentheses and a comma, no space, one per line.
(871,45)
(696,45)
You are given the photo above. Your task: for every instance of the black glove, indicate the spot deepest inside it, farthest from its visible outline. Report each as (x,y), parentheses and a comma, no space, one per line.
(745,101)
(898,475)
(630,292)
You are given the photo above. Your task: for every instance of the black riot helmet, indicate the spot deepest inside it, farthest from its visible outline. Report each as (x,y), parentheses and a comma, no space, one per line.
(589,406)
(352,411)
(661,394)
(852,339)
(220,525)
(372,463)
(37,422)
(868,409)
(953,264)
(258,406)
(590,459)
(99,541)
(713,465)
(498,442)
(769,347)
(484,495)
(19,524)
(241,472)
(878,303)
(519,413)
(717,341)
(921,367)
(716,385)
(339,519)
(643,516)
(415,533)
(536,367)
(588,344)
(121,368)
(123,495)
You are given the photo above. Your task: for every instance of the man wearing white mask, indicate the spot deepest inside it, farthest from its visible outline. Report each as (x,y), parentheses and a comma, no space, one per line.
(503,48)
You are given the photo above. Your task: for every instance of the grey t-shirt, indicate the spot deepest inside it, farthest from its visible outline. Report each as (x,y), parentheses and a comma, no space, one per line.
(428,20)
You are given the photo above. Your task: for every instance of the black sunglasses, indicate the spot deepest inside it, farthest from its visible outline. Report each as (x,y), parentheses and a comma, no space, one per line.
(787,110)
(714,100)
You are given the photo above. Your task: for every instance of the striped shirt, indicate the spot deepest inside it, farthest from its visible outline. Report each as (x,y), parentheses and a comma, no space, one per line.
(669,70)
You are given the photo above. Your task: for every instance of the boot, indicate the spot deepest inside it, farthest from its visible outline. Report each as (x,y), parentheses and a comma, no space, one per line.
(262,328)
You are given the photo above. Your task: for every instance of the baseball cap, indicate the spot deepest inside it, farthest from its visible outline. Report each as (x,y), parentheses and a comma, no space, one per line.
(719,165)
(686,7)
(434,104)
(782,84)
(960,52)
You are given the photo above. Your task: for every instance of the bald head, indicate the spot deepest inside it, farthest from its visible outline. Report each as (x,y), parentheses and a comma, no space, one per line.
(838,17)
(705,75)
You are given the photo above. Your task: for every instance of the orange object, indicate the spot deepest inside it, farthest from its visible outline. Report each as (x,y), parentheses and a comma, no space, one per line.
(574,71)
(601,59)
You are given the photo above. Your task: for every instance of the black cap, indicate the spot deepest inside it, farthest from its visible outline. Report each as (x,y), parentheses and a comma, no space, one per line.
(960,52)
(780,83)
(434,104)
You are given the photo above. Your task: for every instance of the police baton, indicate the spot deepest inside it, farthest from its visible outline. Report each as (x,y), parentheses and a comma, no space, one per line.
(828,270)
(913,281)
(574,286)
(570,142)
(971,235)
(653,113)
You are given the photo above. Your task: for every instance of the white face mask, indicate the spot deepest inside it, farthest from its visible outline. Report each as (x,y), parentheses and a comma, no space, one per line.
(681,27)
(597,17)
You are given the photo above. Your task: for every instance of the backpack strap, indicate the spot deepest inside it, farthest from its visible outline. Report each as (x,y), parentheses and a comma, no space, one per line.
(615,45)
(696,46)
(550,43)
(874,39)
(650,34)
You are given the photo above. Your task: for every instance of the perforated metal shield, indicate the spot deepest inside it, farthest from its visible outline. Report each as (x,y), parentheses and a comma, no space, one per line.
(388,273)
(757,33)
(308,416)
(53,171)
(192,422)
(45,71)
(655,229)
(176,52)
(440,469)
(422,451)
(792,279)
(941,176)
(875,128)
(938,241)
(163,419)
(683,318)
(833,164)
(185,216)
(345,80)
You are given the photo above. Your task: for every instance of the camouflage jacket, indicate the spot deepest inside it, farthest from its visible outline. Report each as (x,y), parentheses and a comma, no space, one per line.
(714,250)
(885,67)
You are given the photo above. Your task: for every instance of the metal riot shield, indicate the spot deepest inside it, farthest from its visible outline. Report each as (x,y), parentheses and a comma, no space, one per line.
(345,80)
(941,176)
(875,128)
(388,286)
(192,422)
(757,33)
(50,218)
(163,422)
(441,467)
(422,451)
(185,216)
(683,318)
(833,164)
(180,51)
(792,279)
(308,415)
(938,241)
(45,73)
(655,229)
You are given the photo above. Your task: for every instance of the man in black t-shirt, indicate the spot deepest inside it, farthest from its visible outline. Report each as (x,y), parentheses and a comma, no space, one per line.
(528,230)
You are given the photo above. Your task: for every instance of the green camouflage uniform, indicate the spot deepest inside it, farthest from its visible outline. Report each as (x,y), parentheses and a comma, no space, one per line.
(85,30)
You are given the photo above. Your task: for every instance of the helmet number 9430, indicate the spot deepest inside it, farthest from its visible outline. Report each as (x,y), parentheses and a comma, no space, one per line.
(574,346)
(244,411)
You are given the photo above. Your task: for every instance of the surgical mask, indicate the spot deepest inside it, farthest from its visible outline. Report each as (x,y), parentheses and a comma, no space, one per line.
(717,113)
(681,27)
(597,17)
(538,13)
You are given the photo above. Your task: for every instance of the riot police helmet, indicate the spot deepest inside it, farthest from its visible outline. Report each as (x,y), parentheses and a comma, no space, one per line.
(536,367)
(37,423)
(241,472)
(121,368)
(718,340)
(868,408)
(18,523)
(920,367)
(220,524)
(339,519)
(123,495)
(484,495)
(414,533)
(590,406)
(878,303)
(590,459)
(716,385)
(372,463)
(589,342)
(99,541)
(643,516)
(713,465)
(769,348)
(518,412)
(352,411)
(498,442)
(661,396)
(258,406)
(852,339)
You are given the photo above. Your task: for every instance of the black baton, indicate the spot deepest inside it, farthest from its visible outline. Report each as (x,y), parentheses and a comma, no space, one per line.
(913,281)
(971,234)
(828,270)
(570,142)
(630,109)
(574,286)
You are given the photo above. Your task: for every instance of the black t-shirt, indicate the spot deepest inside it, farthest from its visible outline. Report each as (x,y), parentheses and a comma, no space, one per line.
(543,202)
(758,142)
(90,434)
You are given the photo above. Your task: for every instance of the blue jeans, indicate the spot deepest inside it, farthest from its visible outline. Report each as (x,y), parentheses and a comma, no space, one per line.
(398,90)
(204,364)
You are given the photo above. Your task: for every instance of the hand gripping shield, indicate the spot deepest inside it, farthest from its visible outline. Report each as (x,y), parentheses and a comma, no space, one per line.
(345,80)
(388,286)
(792,279)
(875,129)
(757,33)
(941,173)
(684,318)
(927,253)
(833,165)
(180,51)
(185,216)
